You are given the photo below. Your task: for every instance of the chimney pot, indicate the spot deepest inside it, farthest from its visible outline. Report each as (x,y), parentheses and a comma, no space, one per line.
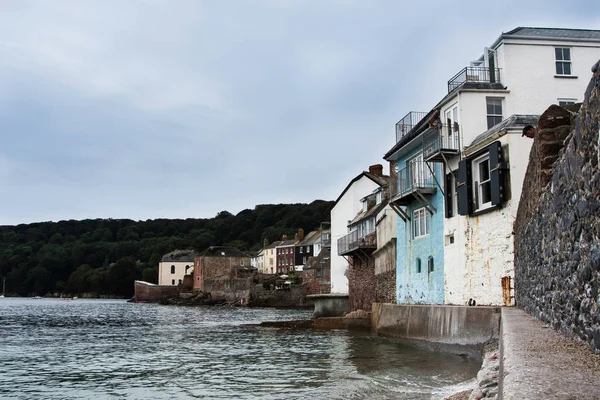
(376,170)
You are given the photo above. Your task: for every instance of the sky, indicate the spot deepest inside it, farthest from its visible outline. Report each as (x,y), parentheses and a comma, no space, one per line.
(147,109)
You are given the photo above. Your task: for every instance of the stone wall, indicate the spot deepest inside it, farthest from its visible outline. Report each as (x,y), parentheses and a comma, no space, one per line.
(361,282)
(385,273)
(151,293)
(292,297)
(557,232)
(385,287)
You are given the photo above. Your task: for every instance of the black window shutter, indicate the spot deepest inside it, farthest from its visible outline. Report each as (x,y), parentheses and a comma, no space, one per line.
(497,167)
(448,190)
(464,188)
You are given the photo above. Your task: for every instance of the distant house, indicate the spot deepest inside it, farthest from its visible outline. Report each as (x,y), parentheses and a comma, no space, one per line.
(285,256)
(270,258)
(345,209)
(305,249)
(258,260)
(220,264)
(317,273)
(174,266)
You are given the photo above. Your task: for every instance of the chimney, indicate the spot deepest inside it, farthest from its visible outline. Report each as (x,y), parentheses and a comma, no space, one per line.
(376,170)
(284,237)
(265,244)
(300,235)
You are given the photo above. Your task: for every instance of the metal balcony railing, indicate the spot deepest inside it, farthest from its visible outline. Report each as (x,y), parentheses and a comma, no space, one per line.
(406,124)
(354,240)
(474,74)
(416,176)
(446,137)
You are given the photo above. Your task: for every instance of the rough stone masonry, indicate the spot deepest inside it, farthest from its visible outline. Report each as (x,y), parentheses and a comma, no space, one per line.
(557,230)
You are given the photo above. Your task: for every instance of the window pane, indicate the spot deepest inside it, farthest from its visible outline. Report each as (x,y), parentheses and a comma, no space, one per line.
(490,108)
(566,54)
(567,68)
(486,192)
(484,170)
(559,68)
(490,122)
(558,53)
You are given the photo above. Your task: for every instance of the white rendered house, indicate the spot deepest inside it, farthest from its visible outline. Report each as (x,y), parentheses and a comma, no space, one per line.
(346,207)
(174,266)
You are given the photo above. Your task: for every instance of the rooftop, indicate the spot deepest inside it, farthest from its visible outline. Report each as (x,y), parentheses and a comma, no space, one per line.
(180,256)
(553,33)
(223,251)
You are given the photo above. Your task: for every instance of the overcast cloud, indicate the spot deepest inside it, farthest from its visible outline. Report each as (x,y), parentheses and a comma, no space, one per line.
(179,109)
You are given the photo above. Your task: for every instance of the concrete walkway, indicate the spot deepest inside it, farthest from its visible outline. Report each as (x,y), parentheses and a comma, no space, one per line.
(539,363)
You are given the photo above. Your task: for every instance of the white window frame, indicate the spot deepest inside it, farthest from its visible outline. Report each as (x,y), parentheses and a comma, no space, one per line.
(560,59)
(421,223)
(566,102)
(478,184)
(378,197)
(494,114)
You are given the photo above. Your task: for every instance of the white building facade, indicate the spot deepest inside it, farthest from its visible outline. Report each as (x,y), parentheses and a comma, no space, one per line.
(346,207)
(174,266)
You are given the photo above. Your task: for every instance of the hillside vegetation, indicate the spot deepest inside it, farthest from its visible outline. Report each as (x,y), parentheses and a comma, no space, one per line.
(105,256)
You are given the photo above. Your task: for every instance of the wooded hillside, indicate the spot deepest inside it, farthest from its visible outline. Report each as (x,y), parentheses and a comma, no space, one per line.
(105,256)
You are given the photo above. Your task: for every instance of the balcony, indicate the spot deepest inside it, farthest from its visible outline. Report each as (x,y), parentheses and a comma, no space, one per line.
(441,143)
(474,74)
(407,123)
(355,241)
(413,182)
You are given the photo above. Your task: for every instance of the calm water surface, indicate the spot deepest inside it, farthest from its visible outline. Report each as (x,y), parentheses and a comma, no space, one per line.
(95,349)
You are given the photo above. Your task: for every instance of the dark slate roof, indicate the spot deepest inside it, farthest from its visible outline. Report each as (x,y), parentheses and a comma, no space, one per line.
(311,238)
(380,180)
(274,244)
(223,251)
(554,33)
(514,121)
(370,212)
(180,256)
(290,242)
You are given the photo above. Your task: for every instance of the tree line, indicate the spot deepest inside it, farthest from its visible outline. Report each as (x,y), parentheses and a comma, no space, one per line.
(104,256)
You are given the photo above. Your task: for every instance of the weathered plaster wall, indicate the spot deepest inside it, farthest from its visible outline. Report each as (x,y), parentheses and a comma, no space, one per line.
(557,232)
(483,250)
(425,287)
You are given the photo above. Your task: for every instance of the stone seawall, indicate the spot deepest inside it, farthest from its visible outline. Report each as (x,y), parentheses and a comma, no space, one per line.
(557,232)
(151,293)
(455,325)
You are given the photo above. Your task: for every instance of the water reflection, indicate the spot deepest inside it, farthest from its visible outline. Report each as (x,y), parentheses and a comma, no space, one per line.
(54,349)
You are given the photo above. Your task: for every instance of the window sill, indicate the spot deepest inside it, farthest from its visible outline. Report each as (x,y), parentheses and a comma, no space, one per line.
(420,237)
(484,210)
(566,76)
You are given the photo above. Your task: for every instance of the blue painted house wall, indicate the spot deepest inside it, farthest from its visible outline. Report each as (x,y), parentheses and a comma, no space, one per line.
(425,287)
